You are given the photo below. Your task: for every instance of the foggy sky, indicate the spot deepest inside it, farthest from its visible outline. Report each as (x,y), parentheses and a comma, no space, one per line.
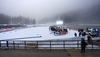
(40,9)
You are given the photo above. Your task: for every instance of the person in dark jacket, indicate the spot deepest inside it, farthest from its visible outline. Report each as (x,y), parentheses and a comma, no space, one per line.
(84,33)
(83,45)
(79,34)
(75,34)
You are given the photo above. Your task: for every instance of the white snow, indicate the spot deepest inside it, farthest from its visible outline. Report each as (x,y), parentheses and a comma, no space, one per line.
(33,32)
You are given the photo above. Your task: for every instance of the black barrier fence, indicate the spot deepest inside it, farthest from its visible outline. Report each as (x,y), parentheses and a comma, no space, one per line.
(56,44)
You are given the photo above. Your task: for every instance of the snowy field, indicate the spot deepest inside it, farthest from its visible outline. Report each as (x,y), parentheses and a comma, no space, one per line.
(41,34)
(34,33)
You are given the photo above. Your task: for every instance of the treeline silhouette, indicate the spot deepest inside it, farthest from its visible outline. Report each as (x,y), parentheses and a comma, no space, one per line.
(4,19)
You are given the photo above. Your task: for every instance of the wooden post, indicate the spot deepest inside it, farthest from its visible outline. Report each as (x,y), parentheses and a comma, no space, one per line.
(7,43)
(14,45)
(64,45)
(50,45)
(37,45)
(25,44)
(0,43)
(92,44)
(77,44)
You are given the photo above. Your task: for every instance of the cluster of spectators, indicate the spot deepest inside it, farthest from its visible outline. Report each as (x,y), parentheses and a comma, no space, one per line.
(55,28)
(80,34)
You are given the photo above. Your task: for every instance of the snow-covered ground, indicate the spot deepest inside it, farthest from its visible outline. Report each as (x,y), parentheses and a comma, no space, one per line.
(34,33)
(40,33)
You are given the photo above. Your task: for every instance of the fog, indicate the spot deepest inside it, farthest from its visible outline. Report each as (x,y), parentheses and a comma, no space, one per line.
(49,11)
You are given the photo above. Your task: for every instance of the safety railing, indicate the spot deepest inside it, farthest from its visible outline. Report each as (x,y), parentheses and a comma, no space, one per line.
(55,44)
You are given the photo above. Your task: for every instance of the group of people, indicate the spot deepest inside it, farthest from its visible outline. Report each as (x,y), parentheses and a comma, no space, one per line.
(80,33)
(83,43)
(57,29)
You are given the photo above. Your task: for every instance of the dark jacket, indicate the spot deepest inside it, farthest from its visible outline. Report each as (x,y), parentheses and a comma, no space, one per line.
(83,44)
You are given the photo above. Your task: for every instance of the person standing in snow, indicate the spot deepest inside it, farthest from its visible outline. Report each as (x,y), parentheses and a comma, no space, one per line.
(75,34)
(79,34)
(83,45)
(88,38)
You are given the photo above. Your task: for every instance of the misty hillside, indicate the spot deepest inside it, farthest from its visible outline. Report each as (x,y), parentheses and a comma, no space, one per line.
(4,19)
(87,16)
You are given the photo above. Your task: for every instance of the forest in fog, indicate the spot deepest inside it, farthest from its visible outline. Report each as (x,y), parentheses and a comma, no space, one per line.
(5,19)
